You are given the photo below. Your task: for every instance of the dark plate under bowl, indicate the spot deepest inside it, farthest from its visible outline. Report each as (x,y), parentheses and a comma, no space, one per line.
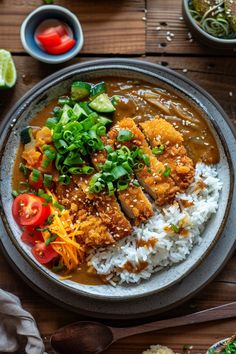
(57,84)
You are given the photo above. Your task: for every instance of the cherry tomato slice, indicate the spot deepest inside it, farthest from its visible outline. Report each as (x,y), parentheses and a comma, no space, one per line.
(29,210)
(66,44)
(34,184)
(49,39)
(44,254)
(60,29)
(31,236)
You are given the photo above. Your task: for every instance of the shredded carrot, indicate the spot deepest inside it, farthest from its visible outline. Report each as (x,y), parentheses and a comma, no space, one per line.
(66,245)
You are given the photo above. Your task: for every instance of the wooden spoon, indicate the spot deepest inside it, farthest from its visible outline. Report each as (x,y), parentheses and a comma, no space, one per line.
(87,337)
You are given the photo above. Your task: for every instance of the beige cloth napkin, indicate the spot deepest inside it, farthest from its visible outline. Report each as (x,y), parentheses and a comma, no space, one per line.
(16,325)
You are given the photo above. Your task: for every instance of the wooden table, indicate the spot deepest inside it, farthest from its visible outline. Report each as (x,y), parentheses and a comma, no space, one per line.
(137,29)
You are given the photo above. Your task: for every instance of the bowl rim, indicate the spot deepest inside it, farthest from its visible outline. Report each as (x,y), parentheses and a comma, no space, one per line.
(201,31)
(53,59)
(121,64)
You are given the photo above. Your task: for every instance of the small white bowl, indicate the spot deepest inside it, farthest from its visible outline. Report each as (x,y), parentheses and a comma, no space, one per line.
(50,12)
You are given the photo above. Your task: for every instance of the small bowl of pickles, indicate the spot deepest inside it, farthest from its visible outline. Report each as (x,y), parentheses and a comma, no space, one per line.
(212,22)
(224,346)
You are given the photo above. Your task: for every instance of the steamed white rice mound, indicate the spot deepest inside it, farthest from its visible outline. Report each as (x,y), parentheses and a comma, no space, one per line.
(157,243)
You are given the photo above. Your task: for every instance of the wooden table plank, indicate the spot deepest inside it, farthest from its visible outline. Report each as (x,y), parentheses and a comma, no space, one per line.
(168,16)
(50,317)
(110,27)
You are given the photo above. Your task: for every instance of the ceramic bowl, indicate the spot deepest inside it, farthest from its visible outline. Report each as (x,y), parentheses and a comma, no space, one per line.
(217,345)
(50,13)
(57,84)
(221,44)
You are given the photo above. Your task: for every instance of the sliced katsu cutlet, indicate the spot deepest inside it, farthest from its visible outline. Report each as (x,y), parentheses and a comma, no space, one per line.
(170,149)
(154,178)
(133,201)
(107,208)
(94,232)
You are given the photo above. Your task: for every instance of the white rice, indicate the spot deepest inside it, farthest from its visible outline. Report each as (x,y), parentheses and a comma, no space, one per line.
(166,247)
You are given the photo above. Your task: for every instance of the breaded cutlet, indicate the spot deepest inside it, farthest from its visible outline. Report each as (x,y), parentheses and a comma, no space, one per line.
(107,208)
(133,201)
(154,178)
(94,232)
(160,133)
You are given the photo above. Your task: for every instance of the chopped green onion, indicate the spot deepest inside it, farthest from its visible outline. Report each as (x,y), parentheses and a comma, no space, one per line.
(23,169)
(51,238)
(167,172)
(24,187)
(122,185)
(44,195)
(73,158)
(108,149)
(51,122)
(65,100)
(81,170)
(136,183)
(47,180)
(104,120)
(124,135)
(111,189)
(158,150)
(61,146)
(57,132)
(118,172)
(64,179)
(35,175)
(96,187)
(58,206)
(49,220)
(107,166)
(57,268)
(127,167)
(146,159)
(139,166)
(101,130)
(175,228)
(14,193)
(57,111)
(46,163)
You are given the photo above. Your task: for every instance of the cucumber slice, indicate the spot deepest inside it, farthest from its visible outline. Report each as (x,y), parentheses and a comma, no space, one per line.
(98,89)
(102,104)
(80,90)
(64,117)
(26,135)
(79,111)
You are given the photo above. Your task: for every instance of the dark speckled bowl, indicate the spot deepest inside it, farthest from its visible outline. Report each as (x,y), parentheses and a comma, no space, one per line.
(221,44)
(57,84)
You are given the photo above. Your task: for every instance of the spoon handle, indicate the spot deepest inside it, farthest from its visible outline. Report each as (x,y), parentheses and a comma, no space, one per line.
(215,313)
